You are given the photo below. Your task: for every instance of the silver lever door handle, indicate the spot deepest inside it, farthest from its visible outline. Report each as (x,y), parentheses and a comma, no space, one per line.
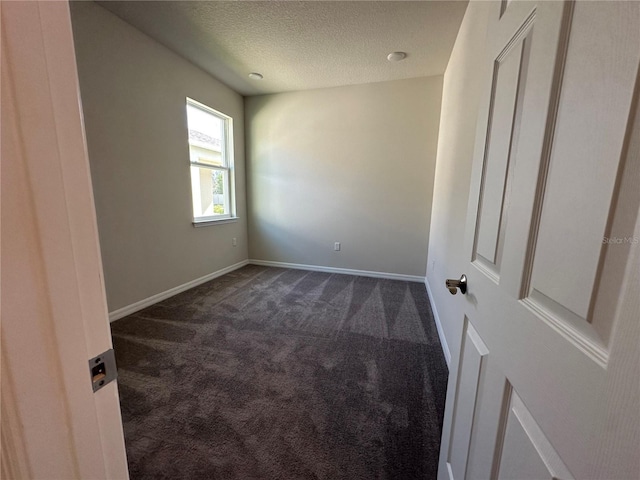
(452,285)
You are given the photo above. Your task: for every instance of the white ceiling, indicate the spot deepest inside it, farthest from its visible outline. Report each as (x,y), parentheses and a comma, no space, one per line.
(299,45)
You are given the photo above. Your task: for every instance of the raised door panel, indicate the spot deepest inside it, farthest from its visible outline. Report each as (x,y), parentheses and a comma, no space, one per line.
(472,358)
(579,172)
(524,452)
(507,87)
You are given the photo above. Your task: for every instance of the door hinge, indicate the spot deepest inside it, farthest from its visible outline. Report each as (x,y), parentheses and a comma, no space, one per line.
(102,369)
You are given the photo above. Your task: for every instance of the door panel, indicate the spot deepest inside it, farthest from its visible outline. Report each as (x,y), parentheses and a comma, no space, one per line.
(578,168)
(577,186)
(473,353)
(54,313)
(549,235)
(510,68)
(525,452)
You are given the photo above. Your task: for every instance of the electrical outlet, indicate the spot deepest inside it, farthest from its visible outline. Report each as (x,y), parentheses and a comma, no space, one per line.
(433,264)
(234,242)
(336,246)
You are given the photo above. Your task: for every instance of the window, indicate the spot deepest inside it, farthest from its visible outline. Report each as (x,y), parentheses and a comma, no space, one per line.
(211,157)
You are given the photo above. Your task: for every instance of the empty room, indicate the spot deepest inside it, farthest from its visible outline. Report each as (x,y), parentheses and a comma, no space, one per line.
(320,240)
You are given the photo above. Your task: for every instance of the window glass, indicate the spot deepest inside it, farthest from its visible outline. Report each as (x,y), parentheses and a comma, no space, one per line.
(211,162)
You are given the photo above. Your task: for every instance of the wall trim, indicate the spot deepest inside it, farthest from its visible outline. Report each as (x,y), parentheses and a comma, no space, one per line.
(436,317)
(147,302)
(345,271)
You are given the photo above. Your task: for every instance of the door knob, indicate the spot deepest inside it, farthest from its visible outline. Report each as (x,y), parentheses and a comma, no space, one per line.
(452,285)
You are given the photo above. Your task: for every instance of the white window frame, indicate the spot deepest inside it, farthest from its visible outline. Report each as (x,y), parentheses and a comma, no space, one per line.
(227,168)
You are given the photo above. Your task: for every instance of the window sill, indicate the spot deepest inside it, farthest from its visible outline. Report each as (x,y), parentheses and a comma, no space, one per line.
(209,223)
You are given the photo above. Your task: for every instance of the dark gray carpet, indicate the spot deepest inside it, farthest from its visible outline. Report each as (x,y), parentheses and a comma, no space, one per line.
(269,373)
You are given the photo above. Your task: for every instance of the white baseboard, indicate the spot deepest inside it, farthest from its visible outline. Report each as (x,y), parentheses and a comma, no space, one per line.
(436,317)
(147,302)
(346,271)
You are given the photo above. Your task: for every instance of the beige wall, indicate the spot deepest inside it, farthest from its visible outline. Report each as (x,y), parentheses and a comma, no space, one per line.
(350,164)
(460,101)
(133,94)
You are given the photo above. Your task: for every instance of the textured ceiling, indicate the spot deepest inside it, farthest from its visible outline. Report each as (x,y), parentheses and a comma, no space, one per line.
(301,45)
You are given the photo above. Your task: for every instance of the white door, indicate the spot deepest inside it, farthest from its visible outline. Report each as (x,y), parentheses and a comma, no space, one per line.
(54,313)
(546,384)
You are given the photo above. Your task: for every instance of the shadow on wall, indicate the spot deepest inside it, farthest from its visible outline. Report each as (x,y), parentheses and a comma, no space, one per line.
(285,243)
(349,164)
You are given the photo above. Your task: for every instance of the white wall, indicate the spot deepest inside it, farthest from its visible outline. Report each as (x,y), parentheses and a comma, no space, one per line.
(350,164)
(460,101)
(133,94)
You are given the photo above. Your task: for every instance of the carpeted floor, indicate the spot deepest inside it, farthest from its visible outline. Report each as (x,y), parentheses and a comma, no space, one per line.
(270,373)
